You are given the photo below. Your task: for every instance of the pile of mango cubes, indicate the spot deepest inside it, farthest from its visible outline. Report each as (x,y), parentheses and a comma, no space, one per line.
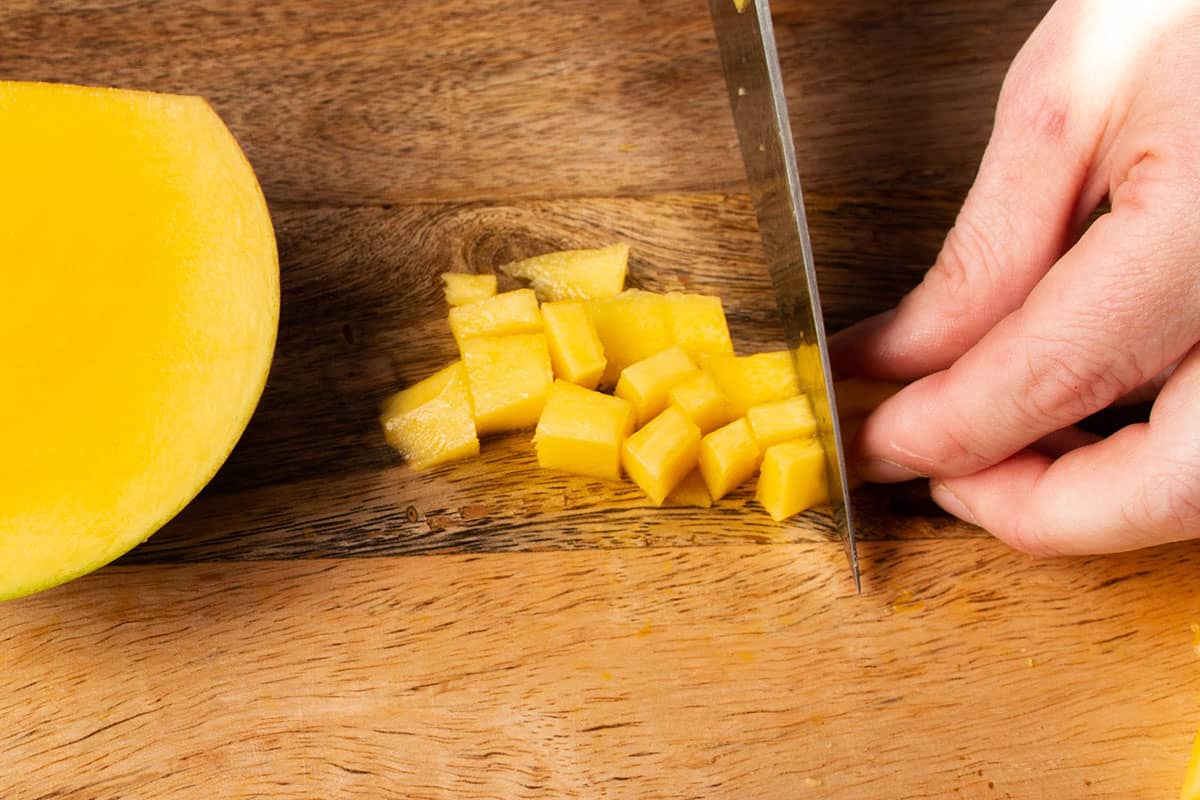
(683,416)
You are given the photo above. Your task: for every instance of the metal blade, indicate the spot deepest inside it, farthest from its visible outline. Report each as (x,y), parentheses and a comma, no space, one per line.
(746,39)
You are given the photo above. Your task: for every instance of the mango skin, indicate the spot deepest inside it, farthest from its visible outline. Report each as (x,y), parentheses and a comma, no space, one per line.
(138,318)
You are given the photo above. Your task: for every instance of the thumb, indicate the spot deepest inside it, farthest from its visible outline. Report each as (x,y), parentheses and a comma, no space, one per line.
(1021,214)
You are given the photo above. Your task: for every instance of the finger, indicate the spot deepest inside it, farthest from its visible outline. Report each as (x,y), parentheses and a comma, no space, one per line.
(1117,309)
(1022,212)
(1137,488)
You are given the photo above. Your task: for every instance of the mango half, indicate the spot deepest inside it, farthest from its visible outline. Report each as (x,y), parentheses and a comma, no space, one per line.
(138,313)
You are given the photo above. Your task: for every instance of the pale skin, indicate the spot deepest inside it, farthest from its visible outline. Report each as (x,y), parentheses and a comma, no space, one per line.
(1027,323)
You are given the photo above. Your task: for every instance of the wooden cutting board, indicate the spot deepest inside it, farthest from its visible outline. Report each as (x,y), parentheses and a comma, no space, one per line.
(322,623)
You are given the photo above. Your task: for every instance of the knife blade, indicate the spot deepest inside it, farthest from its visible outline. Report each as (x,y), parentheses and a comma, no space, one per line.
(746,39)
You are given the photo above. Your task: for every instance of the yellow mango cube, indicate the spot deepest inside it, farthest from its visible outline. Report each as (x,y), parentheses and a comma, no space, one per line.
(728,457)
(782,421)
(662,453)
(504,314)
(509,378)
(692,492)
(430,422)
(647,383)
(632,326)
(575,349)
(699,397)
(792,478)
(574,274)
(462,288)
(750,381)
(582,431)
(698,324)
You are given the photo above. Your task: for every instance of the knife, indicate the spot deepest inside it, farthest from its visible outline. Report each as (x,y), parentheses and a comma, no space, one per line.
(746,39)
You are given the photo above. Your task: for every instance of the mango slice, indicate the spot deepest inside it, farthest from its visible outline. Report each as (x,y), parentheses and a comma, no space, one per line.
(581,431)
(659,455)
(632,326)
(462,288)
(728,457)
(509,378)
(692,492)
(782,421)
(504,314)
(575,349)
(430,423)
(574,274)
(647,383)
(698,324)
(1191,781)
(792,478)
(699,397)
(750,381)
(138,315)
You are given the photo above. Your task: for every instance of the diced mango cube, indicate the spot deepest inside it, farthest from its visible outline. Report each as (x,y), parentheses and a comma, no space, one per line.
(575,349)
(792,478)
(692,491)
(504,314)
(782,421)
(698,324)
(647,383)
(728,456)
(581,431)
(574,274)
(659,455)
(632,326)
(509,378)
(750,381)
(699,397)
(462,288)
(430,422)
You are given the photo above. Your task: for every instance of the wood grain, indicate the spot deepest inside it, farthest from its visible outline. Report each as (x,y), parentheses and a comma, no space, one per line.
(357,101)
(964,670)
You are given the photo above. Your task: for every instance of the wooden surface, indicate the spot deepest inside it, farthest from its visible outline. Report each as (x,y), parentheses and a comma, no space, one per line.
(321,623)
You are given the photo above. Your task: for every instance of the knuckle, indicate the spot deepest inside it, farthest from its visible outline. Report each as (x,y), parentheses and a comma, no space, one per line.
(1067,380)
(967,263)
(1168,502)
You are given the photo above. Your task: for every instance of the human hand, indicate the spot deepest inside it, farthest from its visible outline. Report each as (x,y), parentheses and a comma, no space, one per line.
(1023,327)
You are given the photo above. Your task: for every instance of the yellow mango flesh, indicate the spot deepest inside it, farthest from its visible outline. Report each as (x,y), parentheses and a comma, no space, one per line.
(509,378)
(648,383)
(504,314)
(581,431)
(698,324)
(575,349)
(430,423)
(792,478)
(462,288)
(659,455)
(750,381)
(632,326)
(1191,781)
(728,457)
(782,421)
(574,274)
(699,397)
(691,492)
(138,315)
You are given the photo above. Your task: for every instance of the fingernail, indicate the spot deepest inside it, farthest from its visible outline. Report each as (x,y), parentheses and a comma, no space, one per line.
(951,503)
(880,470)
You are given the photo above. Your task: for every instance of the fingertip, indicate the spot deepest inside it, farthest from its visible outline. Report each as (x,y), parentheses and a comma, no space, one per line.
(951,503)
